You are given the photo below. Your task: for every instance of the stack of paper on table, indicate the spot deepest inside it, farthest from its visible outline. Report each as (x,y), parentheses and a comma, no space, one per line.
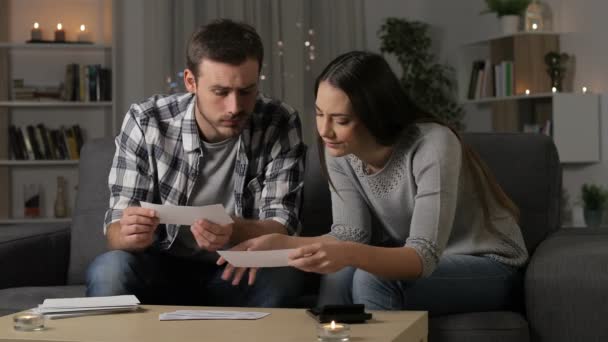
(210,314)
(69,307)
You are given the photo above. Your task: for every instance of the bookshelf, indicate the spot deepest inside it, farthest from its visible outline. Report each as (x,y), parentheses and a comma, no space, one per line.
(526,101)
(41,66)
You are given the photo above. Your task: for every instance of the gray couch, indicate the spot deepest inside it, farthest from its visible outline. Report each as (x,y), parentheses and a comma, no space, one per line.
(565,282)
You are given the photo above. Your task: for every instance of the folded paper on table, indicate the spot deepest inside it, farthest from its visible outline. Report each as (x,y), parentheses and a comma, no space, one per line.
(209,314)
(183,215)
(70,307)
(275,258)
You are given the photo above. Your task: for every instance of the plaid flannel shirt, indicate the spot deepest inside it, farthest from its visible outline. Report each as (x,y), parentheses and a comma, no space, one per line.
(158,153)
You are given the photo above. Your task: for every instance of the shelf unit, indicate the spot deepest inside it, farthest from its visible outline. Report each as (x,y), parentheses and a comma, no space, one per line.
(44,64)
(566,114)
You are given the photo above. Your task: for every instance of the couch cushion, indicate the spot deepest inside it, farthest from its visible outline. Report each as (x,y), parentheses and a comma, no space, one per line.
(528,169)
(496,326)
(33,254)
(566,286)
(23,298)
(92,201)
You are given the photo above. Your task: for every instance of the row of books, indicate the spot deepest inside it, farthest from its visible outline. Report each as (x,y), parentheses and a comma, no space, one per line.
(22,92)
(491,80)
(87,83)
(37,142)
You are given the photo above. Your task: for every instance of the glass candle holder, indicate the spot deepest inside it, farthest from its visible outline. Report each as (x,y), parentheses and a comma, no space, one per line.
(333,332)
(28,321)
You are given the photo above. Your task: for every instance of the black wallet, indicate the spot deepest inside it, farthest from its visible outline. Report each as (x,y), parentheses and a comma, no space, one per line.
(352,313)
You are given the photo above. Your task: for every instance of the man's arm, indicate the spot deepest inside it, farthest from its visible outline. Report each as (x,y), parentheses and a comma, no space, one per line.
(248,229)
(283,182)
(127,226)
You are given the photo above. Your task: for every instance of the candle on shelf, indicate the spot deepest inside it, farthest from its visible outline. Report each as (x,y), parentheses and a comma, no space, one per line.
(333,332)
(527,91)
(36,33)
(59,33)
(584,90)
(83,35)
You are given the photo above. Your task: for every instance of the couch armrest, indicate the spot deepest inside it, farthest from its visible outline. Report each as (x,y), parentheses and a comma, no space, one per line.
(34,255)
(566,282)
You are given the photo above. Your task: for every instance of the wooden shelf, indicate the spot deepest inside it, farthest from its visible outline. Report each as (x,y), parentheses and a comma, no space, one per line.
(38,162)
(35,220)
(54,104)
(508,98)
(523,33)
(54,46)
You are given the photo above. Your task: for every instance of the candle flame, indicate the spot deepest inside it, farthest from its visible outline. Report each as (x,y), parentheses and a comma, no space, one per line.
(59,26)
(36,25)
(82,28)
(333,325)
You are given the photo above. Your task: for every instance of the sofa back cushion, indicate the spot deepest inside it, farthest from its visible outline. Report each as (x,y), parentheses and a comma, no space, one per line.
(87,239)
(528,169)
(525,165)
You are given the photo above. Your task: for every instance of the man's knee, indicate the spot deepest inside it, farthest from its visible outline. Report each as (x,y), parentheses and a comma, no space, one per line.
(110,273)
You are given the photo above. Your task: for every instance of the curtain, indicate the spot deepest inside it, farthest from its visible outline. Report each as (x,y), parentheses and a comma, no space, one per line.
(300,37)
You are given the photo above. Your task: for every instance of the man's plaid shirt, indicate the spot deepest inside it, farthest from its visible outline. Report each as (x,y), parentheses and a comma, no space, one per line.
(158,153)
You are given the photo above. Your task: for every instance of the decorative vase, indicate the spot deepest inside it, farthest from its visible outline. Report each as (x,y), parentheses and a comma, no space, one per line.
(537,17)
(593,217)
(60,199)
(509,24)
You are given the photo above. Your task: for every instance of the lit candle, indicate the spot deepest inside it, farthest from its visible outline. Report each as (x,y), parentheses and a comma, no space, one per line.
(36,33)
(553,89)
(333,332)
(584,89)
(83,35)
(60,33)
(527,91)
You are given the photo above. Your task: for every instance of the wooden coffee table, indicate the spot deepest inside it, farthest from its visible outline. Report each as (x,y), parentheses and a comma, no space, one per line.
(281,325)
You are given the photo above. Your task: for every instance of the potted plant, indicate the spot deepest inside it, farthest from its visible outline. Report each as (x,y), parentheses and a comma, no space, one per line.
(594,201)
(428,83)
(508,11)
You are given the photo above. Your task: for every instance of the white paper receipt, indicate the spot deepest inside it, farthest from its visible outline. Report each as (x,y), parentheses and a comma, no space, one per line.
(173,214)
(275,258)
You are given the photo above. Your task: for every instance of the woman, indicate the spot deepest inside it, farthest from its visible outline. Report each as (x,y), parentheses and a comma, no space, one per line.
(448,238)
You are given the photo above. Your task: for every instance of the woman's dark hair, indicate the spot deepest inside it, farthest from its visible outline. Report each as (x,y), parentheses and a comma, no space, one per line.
(224,41)
(380,103)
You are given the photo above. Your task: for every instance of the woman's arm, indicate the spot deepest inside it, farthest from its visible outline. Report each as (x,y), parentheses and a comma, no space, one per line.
(331,256)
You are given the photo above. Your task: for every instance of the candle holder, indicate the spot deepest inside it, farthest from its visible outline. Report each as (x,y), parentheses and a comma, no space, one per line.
(333,332)
(28,321)
(36,35)
(60,34)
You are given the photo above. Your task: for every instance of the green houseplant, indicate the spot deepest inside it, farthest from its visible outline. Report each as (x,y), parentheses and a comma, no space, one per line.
(428,83)
(595,198)
(506,7)
(508,11)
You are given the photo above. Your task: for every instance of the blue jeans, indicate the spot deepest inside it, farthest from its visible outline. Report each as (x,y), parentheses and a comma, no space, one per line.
(163,279)
(460,283)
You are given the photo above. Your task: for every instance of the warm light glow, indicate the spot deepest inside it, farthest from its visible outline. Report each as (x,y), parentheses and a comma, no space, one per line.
(82,28)
(584,90)
(307,43)
(553,89)
(262,77)
(36,26)
(535,26)
(59,26)
(333,325)
(527,91)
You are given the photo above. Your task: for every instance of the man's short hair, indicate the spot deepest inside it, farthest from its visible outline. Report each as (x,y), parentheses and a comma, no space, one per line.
(224,41)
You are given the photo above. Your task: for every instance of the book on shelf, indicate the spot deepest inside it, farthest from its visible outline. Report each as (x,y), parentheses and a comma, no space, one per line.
(87,83)
(37,142)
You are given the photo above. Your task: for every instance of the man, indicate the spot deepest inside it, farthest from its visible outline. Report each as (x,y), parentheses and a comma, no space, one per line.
(220,143)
